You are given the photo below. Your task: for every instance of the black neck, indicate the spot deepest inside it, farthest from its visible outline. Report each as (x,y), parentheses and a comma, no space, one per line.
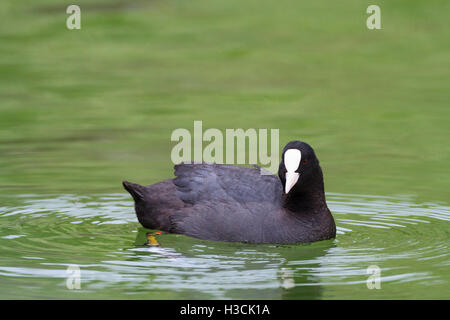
(301,199)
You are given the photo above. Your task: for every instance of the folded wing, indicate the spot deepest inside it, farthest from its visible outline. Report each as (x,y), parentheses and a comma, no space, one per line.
(197,183)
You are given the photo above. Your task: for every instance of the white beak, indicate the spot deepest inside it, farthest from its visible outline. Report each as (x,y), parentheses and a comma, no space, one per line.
(291,180)
(292,159)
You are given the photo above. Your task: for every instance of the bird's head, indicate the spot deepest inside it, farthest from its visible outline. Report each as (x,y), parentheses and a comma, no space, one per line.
(299,167)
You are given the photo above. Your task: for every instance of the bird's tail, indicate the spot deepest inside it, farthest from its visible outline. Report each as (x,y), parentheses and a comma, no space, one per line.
(136,190)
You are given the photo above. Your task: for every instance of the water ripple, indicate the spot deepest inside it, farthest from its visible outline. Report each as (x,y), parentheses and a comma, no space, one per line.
(41,236)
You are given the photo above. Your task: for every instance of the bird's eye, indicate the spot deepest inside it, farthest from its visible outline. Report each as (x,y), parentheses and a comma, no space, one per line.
(305,161)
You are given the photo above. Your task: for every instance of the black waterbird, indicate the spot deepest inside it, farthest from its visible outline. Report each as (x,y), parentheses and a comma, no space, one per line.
(231,203)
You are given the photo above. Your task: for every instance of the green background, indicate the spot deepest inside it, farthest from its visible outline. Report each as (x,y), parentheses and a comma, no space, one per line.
(81,110)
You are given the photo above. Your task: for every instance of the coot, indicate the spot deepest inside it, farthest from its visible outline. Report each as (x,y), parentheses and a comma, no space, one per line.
(230,203)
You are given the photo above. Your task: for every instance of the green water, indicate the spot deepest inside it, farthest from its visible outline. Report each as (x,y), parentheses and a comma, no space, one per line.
(82,110)
(42,236)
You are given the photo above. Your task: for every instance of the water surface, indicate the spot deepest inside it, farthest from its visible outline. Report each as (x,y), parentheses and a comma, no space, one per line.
(41,236)
(82,110)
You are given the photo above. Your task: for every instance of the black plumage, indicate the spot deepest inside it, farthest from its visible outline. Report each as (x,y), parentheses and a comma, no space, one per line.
(231,203)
